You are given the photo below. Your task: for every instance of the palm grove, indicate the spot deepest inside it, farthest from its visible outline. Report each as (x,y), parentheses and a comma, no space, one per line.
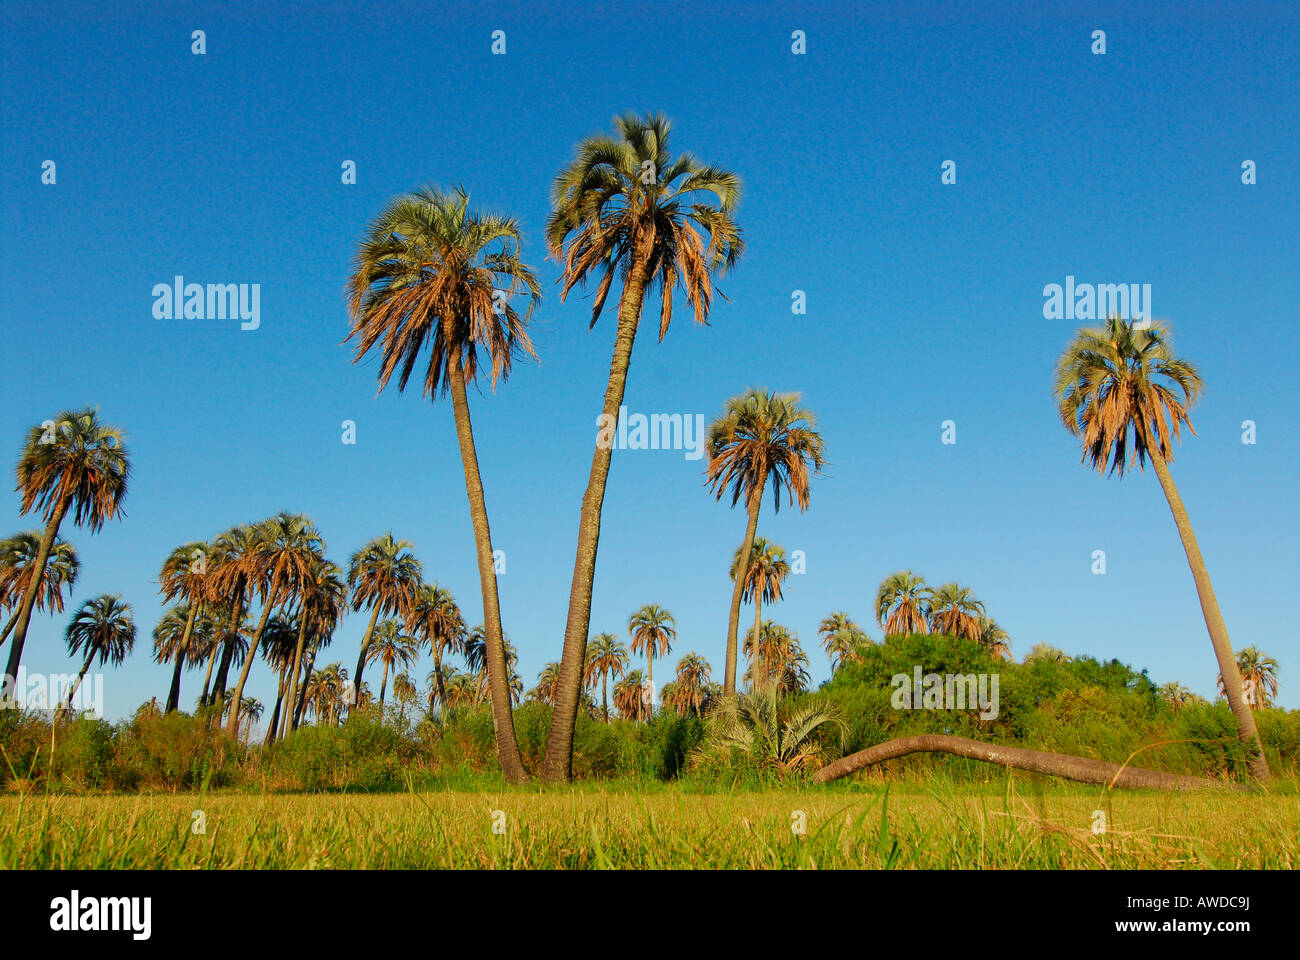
(440,290)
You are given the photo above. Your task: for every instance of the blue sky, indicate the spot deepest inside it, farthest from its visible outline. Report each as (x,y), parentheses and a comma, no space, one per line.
(924,300)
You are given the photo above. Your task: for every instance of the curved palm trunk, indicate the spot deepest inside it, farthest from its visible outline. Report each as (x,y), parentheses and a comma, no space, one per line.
(29,597)
(8,629)
(1214,623)
(275,714)
(174,693)
(365,647)
(733,618)
(236,698)
(1082,769)
(512,764)
(289,715)
(557,764)
(72,690)
(302,693)
(207,677)
(383,689)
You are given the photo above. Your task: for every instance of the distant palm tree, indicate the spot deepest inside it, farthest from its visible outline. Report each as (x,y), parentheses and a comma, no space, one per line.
(653,631)
(279,641)
(841,639)
(691,687)
(776,659)
(229,569)
(760,438)
(384,576)
(993,638)
(1259,676)
(322,604)
(17,566)
(171,639)
(629,697)
(391,647)
(1047,652)
(250,710)
(955,611)
(1124,378)
(606,658)
(1177,695)
(544,692)
(403,692)
(184,578)
(627,207)
(432,273)
(75,463)
(764,575)
(436,621)
(903,604)
(103,628)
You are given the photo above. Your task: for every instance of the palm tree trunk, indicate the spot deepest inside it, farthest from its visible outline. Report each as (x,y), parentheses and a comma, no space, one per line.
(383,689)
(437,679)
(512,764)
(174,693)
(557,764)
(275,714)
(203,696)
(228,651)
(29,597)
(733,618)
(72,690)
(1213,622)
(289,715)
(365,646)
(1082,769)
(604,693)
(758,631)
(237,697)
(8,629)
(302,692)
(650,677)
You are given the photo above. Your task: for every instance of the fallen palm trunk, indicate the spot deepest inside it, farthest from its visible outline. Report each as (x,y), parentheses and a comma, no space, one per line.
(1082,769)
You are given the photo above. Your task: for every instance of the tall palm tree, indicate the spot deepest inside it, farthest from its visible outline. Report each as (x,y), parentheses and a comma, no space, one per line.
(430,271)
(606,658)
(436,621)
(993,638)
(764,575)
(287,551)
(761,438)
(102,628)
(1259,670)
(691,685)
(955,611)
(626,206)
(653,631)
(18,566)
(229,586)
(75,463)
(184,581)
(841,638)
(385,576)
(391,647)
(544,692)
(1123,379)
(903,604)
(322,603)
(171,641)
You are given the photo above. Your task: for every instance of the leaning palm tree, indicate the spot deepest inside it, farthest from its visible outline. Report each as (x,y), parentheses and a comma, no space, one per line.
(184,581)
(1123,379)
(1259,674)
(431,272)
(75,463)
(393,648)
(288,550)
(627,207)
(436,621)
(102,628)
(385,576)
(760,438)
(764,575)
(903,604)
(653,631)
(955,611)
(841,639)
(606,658)
(18,567)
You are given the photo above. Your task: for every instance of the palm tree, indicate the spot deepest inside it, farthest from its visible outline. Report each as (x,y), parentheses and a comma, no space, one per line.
(476,658)
(993,638)
(1046,652)
(391,647)
(430,271)
(629,697)
(544,692)
(1177,695)
(1123,378)
(841,638)
(653,631)
(288,550)
(625,206)
(764,575)
(250,709)
(691,685)
(279,641)
(184,578)
(103,628)
(760,438)
(171,640)
(17,566)
(755,724)
(74,463)
(606,657)
(322,603)
(1259,673)
(384,576)
(777,655)
(436,621)
(955,611)
(903,604)
(229,585)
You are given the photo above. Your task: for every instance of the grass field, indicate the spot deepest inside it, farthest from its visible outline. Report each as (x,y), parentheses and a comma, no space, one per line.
(1017,825)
